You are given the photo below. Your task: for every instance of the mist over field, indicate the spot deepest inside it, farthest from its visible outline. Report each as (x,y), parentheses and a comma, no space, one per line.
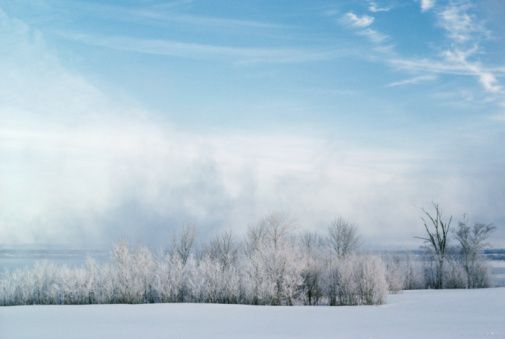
(87,158)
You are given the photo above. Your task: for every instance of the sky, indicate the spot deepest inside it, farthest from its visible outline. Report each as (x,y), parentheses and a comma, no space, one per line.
(126,120)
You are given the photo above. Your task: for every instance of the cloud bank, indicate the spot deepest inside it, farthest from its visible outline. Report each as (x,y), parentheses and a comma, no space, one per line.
(80,166)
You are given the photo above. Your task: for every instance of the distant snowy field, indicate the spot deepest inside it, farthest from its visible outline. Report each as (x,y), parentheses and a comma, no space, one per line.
(412,314)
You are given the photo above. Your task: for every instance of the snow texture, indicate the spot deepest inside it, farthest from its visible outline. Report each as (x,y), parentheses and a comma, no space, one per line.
(478,313)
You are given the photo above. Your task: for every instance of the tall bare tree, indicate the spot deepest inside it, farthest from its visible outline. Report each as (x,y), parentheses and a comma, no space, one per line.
(436,240)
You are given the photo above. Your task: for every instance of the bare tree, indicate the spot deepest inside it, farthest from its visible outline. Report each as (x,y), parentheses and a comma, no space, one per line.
(472,240)
(436,240)
(278,228)
(311,244)
(182,245)
(224,250)
(343,237)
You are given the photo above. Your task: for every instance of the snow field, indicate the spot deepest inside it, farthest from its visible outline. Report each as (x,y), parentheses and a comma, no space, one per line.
(433,314)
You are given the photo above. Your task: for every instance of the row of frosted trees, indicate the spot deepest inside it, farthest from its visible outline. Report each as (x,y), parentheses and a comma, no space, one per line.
(271,266)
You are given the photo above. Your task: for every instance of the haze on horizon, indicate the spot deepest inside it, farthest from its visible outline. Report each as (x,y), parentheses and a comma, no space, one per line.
(127,121)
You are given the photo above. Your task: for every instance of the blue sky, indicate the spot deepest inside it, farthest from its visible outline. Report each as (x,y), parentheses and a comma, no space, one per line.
(128,119)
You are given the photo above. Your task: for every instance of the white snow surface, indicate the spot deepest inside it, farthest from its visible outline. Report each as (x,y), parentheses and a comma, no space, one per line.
(411,314)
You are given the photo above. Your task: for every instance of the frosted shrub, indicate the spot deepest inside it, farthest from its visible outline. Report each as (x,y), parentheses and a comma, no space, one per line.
(171,279)
(214,283)
(414,276)
(479,277)
(402,273)
(371,280)
(356,280)
(454,275)
(45,284)
(395,273)
(341,284)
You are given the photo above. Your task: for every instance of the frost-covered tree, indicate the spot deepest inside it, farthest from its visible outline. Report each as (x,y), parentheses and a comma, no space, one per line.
(122,275)
(471,241)
(272,262)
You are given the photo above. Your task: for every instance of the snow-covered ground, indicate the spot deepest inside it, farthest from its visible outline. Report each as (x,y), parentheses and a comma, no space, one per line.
(412,314)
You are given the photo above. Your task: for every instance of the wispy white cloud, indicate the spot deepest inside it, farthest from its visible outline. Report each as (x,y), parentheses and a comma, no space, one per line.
(211,21)
(361,26)
(373,35)
(486,78)
(459,23)
(374,7)
(441,66)
(205,51)
(426,5)
(357,21)
(168,14)
(413,81)
(466,32)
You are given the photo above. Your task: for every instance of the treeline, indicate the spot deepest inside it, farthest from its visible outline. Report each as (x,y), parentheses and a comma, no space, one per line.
(271,266)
